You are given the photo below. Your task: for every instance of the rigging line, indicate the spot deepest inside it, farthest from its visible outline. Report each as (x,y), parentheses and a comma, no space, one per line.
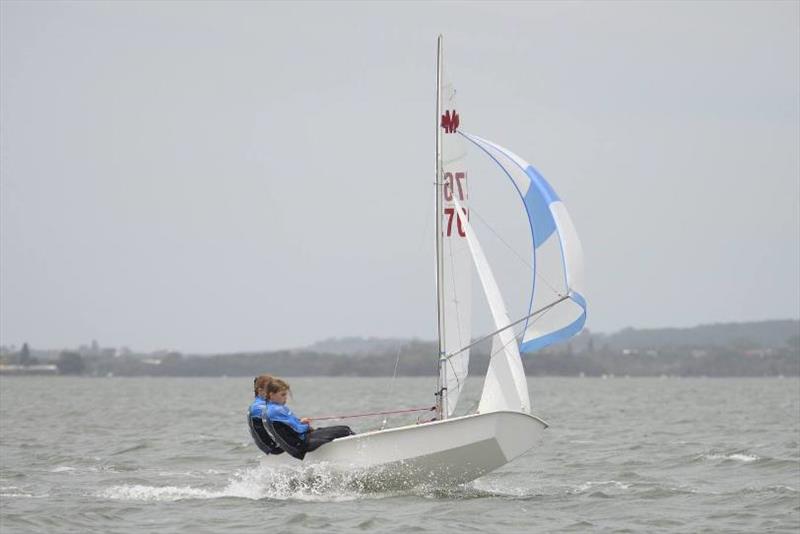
(507,343)
(520,335)
(458,315)
(537,319)
(391,384)
(515,323)
(514,251)
(353,415)
(455,374)
(432,218)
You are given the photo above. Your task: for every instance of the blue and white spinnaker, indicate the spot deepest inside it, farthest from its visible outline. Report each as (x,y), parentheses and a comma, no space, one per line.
(557,280)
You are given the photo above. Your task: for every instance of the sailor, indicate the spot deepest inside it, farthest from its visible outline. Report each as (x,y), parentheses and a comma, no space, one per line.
(259,405)
(277,393)
(255,414)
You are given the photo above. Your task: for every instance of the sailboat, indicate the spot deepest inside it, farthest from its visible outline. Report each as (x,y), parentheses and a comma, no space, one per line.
(457,449)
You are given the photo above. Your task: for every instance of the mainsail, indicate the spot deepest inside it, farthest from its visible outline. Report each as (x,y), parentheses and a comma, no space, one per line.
(455,265)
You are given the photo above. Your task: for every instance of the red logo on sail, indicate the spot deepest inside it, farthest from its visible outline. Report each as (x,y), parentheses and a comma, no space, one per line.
(450,121)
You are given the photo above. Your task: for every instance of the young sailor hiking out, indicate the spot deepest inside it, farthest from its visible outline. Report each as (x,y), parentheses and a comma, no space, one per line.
(275,428)
(277,412)
(256,414)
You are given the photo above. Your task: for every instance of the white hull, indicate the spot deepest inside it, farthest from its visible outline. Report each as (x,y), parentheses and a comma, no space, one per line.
(440,453)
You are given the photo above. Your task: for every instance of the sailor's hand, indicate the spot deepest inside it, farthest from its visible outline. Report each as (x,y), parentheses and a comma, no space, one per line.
(305,420)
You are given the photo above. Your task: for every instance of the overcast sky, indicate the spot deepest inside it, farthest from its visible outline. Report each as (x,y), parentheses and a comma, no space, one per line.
(241,176)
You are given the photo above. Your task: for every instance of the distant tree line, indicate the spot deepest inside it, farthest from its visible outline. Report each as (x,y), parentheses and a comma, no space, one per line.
(768,348)
(711,362)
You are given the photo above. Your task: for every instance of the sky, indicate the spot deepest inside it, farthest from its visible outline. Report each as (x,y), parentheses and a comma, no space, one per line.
(217,177)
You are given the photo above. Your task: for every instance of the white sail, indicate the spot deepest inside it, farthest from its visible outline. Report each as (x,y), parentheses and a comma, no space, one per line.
(456,264)
(505,387)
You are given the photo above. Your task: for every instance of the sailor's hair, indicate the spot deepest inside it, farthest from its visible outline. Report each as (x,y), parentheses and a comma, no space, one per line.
(261,382)
(276,385)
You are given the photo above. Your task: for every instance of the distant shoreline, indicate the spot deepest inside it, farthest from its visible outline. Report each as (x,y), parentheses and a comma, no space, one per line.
(758,349)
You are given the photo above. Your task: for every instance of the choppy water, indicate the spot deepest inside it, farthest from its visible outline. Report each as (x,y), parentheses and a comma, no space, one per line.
(622,455)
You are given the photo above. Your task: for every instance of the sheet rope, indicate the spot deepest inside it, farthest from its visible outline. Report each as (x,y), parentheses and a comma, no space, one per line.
(351,416)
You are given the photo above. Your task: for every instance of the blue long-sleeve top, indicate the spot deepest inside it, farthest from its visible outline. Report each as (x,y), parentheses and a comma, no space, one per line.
(258,407)
(280,413)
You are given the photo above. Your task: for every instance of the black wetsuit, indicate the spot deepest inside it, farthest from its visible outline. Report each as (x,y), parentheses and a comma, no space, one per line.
(320,436)
(299,437)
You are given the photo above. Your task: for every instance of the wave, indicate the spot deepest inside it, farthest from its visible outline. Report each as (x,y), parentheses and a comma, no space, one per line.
(287,481)
(110,468)
(737,457)
(63,469)
(310,483)
(14,491)
(604,484)
(132,448)
(747,458)
(136,492)
(284,482)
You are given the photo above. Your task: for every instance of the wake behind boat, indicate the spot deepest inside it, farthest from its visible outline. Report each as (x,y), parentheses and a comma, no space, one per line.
(453,450)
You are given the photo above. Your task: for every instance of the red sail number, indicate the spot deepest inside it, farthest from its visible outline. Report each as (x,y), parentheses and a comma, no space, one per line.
(451,212)
(448,185)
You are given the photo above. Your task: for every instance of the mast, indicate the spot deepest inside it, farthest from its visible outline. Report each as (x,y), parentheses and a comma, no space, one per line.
(441,397)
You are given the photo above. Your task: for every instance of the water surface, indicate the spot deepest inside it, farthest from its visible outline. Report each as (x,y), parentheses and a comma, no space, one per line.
(622,455)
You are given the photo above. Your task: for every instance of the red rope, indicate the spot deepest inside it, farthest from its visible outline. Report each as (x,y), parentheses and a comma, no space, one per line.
(350,416)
